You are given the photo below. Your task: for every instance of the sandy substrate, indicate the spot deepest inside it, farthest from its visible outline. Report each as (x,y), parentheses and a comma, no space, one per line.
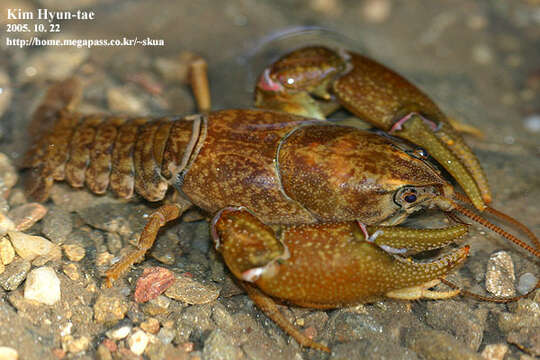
(480,61)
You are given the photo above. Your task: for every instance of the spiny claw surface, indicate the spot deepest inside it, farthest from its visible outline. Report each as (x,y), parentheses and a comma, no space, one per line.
(400,240)
(324,266)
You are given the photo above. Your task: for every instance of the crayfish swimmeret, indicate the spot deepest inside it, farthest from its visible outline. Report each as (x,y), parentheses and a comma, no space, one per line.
(336,193)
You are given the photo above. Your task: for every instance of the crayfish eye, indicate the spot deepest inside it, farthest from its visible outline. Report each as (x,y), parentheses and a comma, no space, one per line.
(406,195)
(410,198)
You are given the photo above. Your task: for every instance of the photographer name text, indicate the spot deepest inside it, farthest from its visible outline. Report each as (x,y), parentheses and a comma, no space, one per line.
(45,14)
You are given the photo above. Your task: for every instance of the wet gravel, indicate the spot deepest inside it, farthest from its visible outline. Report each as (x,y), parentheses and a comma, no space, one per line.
(478,60)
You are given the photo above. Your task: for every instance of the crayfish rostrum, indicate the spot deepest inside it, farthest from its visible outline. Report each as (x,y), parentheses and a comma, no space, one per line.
(305,210)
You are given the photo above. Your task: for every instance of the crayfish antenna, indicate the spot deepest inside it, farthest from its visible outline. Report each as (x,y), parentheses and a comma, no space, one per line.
(475,217)
(494,299)
(506,218)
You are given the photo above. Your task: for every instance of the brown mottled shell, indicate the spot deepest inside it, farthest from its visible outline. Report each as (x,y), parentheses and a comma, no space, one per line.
(350,269)
(341,173)
(124,155)
(374,92)
(236,165)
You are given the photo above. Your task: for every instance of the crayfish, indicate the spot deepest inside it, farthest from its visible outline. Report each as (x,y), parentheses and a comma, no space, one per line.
(305,211)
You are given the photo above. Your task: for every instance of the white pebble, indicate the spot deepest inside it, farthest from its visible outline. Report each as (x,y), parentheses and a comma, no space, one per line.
(532,123)
(8,174)
(138,341)
(30,247)
(500,275)
(5,224)
(118,333)
(42,285)
(494,351)
(482,54)
(7,353)
(526,283)
(122,101)
(7,254)
(66,329)
(376,11)
(75,345)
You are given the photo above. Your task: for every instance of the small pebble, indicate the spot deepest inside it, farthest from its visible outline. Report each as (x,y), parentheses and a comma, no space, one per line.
(166,336)
(52,63)
(74,252)
(157,306)
(70,199)
(103,353)
(165,250)
(188,346)
(43,286)
(29,247)
(152,283)
(327,7)
(57,225)
(5,92)
(138,341)
(110,308)
(6,225)
(8,353)
(66,329)
(17,197)
(494,351)
(119,332)
(222,317)
(191,291)
(532,123)
(25,216)
(76,345)
(526,283)
(114,242)
(54,255)
(482,54)
(150,325)
(438,345)
(500,275)
(104,259)
(122,101)
(72,271)
(14,274)
(310,332)
(220,345)
(7,253)
(4,205)
(58,353)
(110,345)
(376,11)
(8,175)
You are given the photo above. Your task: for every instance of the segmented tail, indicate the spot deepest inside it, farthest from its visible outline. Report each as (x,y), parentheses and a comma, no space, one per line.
(125,155)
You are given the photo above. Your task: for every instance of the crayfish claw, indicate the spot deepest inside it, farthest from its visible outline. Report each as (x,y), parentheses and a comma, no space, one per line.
(451,152)
(415,240)
(422,292)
